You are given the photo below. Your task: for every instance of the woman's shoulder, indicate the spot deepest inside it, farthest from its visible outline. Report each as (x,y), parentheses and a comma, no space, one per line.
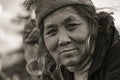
(114,51)
(112,62)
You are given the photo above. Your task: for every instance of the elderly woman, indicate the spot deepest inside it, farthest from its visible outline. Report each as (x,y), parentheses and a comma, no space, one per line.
(76,42)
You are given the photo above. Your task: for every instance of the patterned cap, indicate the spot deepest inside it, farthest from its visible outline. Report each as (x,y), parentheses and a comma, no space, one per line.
(44,7)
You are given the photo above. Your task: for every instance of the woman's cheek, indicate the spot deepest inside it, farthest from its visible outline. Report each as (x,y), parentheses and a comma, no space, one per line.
(51,43)
(79,37)
(81,33)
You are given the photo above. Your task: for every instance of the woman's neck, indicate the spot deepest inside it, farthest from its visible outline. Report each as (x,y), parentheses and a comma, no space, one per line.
(81,71)
(81,68)
(82,74)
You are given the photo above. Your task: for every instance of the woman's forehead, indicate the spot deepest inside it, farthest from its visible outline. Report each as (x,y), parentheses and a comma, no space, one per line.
(51,22)
(63,9)
(68,13)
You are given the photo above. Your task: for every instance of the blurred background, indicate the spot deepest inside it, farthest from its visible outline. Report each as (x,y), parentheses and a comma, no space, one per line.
(13,18)
(13,15)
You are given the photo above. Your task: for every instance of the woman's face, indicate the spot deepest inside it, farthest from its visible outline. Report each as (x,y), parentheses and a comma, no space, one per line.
(65,35)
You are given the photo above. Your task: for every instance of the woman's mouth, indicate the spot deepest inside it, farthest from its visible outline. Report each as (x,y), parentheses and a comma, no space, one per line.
(67,51)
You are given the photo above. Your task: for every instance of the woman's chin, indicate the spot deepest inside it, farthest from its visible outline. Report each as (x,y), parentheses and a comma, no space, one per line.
(69,62)
(72,69)
(72,64)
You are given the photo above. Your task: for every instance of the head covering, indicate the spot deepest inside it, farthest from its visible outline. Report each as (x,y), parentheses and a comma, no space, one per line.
(44,7)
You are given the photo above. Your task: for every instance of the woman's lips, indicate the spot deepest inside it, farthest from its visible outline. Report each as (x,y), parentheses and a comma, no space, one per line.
(67,50)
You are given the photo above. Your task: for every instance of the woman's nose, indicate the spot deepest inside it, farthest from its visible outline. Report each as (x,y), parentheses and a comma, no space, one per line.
(64,39)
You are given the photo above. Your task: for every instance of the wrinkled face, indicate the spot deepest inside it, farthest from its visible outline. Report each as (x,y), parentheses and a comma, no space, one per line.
(65,35)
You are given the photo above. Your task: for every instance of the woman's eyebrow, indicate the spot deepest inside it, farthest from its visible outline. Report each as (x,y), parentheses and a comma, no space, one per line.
(69,19)
(49,26)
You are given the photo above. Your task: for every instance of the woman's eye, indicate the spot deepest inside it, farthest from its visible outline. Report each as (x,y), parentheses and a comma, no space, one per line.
(51,32)
(72,26)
